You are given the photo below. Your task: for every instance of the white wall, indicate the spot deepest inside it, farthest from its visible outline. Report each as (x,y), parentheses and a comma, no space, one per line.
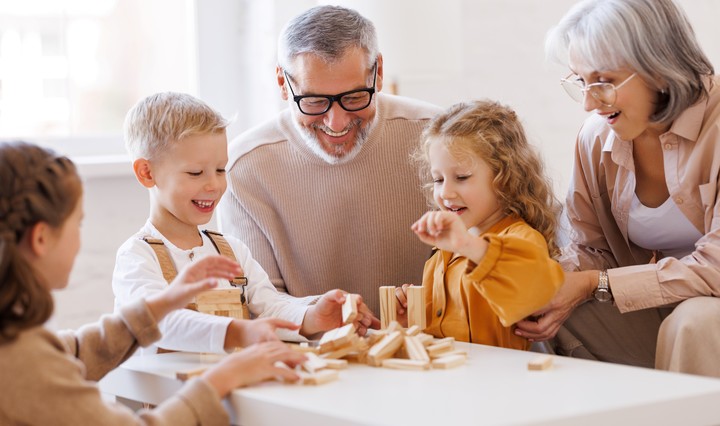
(443,51)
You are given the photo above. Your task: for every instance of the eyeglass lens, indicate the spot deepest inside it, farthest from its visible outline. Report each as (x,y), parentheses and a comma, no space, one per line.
(353,101)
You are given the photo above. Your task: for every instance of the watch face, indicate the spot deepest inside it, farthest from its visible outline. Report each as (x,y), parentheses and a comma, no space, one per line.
(602,295)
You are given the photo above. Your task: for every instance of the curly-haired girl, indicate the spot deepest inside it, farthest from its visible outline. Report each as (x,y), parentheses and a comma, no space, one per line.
(494,226)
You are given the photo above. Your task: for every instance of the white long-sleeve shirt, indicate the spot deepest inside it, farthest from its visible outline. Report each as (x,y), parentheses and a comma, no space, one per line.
(138,274)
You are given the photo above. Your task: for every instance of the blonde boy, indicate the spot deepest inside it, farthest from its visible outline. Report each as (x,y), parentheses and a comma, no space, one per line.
(178,145)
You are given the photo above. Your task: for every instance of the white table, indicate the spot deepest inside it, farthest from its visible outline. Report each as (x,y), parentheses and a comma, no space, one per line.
(493,387)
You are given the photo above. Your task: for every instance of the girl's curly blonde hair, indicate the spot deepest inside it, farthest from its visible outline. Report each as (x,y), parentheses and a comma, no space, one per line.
(492,132)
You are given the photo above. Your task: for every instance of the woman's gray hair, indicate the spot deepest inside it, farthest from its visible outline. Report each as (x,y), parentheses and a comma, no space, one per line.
(651,37)
(326,31)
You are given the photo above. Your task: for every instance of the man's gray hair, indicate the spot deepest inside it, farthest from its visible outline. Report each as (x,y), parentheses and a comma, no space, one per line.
(328,32)
(651,37)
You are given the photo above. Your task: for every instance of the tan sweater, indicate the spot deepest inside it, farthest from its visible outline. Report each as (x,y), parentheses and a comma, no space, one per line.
(315,226)
(49,379)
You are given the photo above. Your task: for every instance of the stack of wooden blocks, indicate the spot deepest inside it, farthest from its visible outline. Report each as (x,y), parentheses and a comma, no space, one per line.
(391,347)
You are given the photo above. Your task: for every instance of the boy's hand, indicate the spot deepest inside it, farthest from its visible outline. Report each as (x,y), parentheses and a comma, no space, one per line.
(326,315)
(243,333)
(252,365)
(193,279)
(401,305)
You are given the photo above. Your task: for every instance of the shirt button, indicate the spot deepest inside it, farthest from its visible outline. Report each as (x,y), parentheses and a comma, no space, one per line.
(439,313)
(668,146)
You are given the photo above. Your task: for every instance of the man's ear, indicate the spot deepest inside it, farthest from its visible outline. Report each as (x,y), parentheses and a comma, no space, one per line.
(379,82)
(280,75)
(143,172)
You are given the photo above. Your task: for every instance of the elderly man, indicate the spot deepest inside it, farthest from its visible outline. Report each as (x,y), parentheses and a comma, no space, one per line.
(324,194)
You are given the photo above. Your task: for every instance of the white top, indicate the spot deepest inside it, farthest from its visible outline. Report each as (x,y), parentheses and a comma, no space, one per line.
(664,228)
(138,274)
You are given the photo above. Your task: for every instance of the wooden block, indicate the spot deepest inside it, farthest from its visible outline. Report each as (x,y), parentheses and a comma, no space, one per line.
(451,353)
(415,349)
(385,349)
(426,339)
(313,363)
(349,309)
(336,364)
(395,326)
(416,306)
(435,350)
(189,374)
(446,362)
(304,347)
(413,331)
(387,305)
(318,378)
(406,364)
(339,352)
(336,338)
(443,340)
(541,362)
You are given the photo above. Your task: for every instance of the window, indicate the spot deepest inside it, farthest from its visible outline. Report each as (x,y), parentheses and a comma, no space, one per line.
(70,69)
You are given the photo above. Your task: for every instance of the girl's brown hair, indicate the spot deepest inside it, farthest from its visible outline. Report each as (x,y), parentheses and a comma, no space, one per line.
(493,132)
(36,185)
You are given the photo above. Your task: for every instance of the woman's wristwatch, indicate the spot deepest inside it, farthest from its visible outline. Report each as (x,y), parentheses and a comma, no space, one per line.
(602,293)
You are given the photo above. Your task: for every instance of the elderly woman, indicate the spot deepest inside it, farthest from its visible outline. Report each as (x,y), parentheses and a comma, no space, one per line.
(644,259)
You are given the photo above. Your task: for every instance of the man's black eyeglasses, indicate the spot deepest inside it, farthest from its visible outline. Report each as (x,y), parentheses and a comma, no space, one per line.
(354,100)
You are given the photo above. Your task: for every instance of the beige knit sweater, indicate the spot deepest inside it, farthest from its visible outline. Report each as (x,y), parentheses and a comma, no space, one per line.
(315,226)
(49,379)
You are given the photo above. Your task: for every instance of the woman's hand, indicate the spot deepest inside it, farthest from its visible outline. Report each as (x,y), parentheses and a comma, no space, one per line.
(194,279)
(576,289)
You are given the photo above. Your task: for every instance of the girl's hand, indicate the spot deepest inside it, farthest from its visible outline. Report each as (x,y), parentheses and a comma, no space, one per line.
(401,305)
(326,314)
(578,287)
(243,333)
(252,365)
(194,279)
(446,231)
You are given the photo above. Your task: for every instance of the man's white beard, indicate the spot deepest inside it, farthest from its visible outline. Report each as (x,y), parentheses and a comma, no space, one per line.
(317,148)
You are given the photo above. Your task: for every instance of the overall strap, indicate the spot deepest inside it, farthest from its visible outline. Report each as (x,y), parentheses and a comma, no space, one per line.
(223,247)
(166,264)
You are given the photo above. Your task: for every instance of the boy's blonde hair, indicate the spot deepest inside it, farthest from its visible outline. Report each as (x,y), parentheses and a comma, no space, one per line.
(493,132)
(159,119)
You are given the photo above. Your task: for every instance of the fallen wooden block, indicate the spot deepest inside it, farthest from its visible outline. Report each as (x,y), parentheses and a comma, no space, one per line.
(413,330)
(385,348)
(336,364)
(318,378)
(406,364)
(303,347)
(435,350)
(541,362)
(349,309)
(336,338)
(189,374)
(446,362)
(313,363)
(415,349)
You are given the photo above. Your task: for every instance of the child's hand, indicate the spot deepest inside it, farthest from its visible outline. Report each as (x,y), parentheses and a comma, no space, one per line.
(326,314)
(242,333)
(401,305)
(446,231)
(252,365)
(195,278)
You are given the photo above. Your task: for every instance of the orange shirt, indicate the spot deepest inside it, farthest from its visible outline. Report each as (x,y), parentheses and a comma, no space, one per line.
(516,277)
